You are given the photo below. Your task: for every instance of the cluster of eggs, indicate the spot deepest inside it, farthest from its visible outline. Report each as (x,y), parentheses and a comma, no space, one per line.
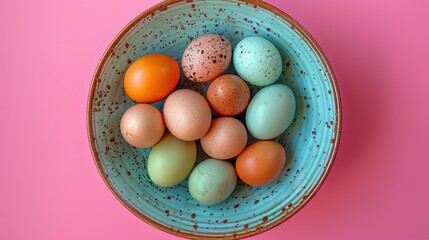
(188,116)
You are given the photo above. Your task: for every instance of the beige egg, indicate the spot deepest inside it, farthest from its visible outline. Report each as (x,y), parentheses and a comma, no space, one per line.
(187,114)
(142,125)
(226,138)
(206,57)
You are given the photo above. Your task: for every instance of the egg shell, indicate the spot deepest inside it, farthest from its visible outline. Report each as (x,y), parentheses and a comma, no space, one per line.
(142,125)
(151,78)
(271,111)
(206,57)
(212,181)
(261,162)
(257,61)
(226,138)
(228,95)
(171,160)
(187,114)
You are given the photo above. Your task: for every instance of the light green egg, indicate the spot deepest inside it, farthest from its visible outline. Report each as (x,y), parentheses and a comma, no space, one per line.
(271,111)
(257,61)
(171,160)
(212,181)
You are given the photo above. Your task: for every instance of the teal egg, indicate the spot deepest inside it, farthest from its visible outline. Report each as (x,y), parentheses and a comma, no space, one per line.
(270,112)
(257,61)
(310,142)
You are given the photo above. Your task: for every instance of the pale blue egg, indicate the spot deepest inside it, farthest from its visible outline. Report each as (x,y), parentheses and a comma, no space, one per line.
(271,111)
(257,61)
(212,181)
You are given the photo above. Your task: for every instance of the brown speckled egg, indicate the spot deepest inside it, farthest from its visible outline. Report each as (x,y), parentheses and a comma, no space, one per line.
(228,95)
(187,114)
(206,57)
(226,138)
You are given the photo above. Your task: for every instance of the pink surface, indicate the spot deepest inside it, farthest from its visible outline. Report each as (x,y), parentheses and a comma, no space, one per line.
(377,189)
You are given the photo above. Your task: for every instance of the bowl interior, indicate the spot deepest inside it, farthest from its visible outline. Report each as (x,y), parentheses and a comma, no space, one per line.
(310,141)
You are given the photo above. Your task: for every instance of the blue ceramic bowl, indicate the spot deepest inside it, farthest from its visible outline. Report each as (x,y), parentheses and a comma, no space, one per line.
(311,141)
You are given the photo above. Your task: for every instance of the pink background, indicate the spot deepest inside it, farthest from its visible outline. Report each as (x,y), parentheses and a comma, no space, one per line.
(377,189)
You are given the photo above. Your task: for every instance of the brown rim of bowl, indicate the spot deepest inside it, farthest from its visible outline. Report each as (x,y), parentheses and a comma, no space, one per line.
(162,6)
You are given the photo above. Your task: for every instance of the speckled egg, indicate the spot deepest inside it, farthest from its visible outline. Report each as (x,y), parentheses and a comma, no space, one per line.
(257,61)
(226,138)
(187,114)
(228,95)
(206,57)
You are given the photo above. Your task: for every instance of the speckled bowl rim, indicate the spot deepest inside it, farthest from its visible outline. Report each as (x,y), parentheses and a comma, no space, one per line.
(295,25)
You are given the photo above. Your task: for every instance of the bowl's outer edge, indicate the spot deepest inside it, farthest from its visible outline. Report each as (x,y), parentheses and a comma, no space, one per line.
(310,195)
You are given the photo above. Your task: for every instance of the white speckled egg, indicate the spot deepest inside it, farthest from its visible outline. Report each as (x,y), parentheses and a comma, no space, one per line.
(257,61)
(212,181)
(271,111)
(206,57)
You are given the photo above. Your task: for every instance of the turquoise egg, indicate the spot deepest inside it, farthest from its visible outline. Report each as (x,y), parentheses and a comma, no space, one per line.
(257,61)
(311,141)
(270,112)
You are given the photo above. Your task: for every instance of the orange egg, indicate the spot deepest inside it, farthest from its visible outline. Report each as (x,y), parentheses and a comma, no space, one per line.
(261,162)
(187,114)
(226,138)
(228,95)
(142,125)
(151,78)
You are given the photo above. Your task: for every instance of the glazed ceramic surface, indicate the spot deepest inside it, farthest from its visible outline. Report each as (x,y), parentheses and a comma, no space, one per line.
(311,141)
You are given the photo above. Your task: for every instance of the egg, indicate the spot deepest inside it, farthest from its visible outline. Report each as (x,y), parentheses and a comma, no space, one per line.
(257,61)
(226,138)
(151,78)
(228,95)
(212,181)
(206,57)
(142,125)
(271,111)
(261,162)
(171,160)
(187,114)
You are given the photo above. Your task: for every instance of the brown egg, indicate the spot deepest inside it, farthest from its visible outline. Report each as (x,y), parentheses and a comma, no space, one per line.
(187,114)
(261,162)
(206,57)
(226,138)
(142,125)
(228,95)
